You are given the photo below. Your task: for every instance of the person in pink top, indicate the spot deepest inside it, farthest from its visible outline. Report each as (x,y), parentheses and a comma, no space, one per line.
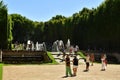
(92,58)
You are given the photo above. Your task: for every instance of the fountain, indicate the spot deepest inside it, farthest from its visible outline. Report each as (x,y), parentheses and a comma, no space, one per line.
(28,45)
(61,46)
(68,45)
(32,48)
(1,56)
(44,45)
(37,48)
(40,47)
(55,46)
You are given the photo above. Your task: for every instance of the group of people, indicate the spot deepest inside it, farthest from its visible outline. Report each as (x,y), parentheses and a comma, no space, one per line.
(88,59)
(68,66)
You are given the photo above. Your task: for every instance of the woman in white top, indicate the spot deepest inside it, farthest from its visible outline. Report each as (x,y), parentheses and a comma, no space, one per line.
(103,61)
(87,62)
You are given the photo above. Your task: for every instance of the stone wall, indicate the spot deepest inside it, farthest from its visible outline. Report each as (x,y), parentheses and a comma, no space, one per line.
(25,57)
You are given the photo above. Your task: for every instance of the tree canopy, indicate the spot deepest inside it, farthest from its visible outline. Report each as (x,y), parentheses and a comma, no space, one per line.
(89,28)
(3,26)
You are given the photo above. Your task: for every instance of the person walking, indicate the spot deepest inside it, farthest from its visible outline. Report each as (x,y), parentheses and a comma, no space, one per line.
(92,58)
(87,62)
(103,61)
(75,65)
(68,67)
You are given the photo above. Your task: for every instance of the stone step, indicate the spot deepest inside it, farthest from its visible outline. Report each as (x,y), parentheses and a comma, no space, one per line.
(59,57)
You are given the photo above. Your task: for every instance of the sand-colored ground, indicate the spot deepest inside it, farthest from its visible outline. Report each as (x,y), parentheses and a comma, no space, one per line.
(57,72)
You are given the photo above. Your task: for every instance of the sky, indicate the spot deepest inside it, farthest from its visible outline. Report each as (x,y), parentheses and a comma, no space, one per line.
(44,10)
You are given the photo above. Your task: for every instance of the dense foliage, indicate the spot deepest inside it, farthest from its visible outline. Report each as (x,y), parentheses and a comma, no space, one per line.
(3,26)
(90,28)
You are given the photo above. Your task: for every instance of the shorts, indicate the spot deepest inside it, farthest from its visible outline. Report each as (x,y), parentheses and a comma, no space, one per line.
(87,63)
(75,66)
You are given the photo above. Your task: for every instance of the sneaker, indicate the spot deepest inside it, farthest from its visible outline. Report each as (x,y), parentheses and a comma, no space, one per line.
(72,76)
(64,76)
(102,69)
(86,70)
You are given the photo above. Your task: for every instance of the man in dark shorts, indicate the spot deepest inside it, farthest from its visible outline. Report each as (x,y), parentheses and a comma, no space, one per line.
(75,65)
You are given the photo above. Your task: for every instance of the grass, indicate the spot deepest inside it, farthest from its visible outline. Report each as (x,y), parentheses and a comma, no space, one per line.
(81,54)
(52,58)
(1,65)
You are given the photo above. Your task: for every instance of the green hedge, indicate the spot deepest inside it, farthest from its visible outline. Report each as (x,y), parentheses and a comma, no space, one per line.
(52,58)
(81,54)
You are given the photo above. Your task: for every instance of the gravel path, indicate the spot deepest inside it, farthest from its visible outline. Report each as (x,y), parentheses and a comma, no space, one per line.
(57,72)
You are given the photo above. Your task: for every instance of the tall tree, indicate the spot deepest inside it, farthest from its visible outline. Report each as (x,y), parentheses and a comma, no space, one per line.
(89,28)
(10,37)
(23,28)
(3,26)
